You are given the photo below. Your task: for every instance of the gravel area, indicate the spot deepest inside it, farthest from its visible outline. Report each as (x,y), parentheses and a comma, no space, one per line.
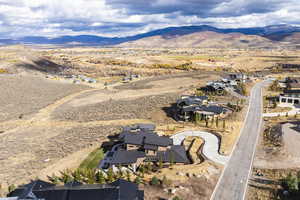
(27,94)
(142,108)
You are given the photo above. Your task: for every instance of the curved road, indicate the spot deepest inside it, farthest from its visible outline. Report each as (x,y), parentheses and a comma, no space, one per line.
(233,182)
(210,148)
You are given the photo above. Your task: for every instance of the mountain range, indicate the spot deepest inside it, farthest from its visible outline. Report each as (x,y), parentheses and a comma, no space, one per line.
(185,36)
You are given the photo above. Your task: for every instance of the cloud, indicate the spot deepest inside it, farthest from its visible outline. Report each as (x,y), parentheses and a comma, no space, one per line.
(54,18)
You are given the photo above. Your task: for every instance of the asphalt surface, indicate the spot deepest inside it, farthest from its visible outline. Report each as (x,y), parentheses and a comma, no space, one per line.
(210,148)
(234,179)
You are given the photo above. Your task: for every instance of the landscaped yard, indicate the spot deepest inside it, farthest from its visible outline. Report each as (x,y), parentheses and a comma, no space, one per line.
(93,159)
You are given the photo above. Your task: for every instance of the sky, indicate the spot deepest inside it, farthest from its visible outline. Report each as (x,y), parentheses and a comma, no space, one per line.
(110,18)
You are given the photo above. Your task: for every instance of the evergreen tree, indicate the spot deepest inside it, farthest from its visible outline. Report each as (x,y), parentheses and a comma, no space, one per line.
(160,163)
(128,175)
(154,181)
(137,180)
(110,175)
(149,167)
(166,182)
(100,177)
(292,183)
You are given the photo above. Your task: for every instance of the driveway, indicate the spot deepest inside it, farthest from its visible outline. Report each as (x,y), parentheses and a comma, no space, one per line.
(210,148)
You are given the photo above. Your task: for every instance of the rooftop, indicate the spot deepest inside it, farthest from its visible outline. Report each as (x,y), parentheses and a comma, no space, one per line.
(117,190)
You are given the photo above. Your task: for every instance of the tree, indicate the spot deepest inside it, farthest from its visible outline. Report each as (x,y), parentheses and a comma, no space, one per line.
(128,175)
(206,123)
(142,170)
(212,121)
(110,175)
(66,176)
(217,122)
(100,177)
(11,188)
(172,159)
(137,180)
(292,183)
(160,163)
(224,124)
(154,181)
(149,167)
(166,182)
(53,179)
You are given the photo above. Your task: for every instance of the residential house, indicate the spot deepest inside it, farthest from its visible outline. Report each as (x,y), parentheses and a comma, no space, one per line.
(139,144)
(291,94)
(41,190)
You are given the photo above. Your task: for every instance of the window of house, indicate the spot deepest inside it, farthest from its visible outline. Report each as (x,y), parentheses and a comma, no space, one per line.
(283,100)
(296,101)
(290,100)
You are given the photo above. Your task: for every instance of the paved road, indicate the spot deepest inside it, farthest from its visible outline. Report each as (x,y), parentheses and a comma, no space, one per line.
(210,148)
(233,182)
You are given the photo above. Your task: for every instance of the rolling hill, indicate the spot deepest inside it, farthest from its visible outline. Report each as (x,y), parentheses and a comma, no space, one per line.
(180,36)
(206,39)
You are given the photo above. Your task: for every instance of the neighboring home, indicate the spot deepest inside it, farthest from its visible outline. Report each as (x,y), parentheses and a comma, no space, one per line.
(40,190)
(139,144)
(188,113)
(186,100)
(188,106)
(291,94)
(282,66)
(239,77)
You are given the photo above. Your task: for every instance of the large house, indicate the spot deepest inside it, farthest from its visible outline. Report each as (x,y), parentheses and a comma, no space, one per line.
(40,190)
(188,107)
(140,144)
(291,94)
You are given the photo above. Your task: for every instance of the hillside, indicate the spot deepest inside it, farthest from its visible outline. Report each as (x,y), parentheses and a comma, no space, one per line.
(207,39)
(171,36)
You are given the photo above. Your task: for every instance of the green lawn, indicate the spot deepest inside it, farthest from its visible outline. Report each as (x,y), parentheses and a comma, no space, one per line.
(93,159)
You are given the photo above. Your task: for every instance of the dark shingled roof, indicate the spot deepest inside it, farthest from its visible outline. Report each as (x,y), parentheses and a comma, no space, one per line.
(211,108)
(176,154)
(191,100)
(150,147)
(144,138)
(118,190)
(126,157)
(154,139)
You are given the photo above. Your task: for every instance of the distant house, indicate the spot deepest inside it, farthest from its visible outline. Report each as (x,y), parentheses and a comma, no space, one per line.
(40,190)
(139,144)
(188,107)
(291,94)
